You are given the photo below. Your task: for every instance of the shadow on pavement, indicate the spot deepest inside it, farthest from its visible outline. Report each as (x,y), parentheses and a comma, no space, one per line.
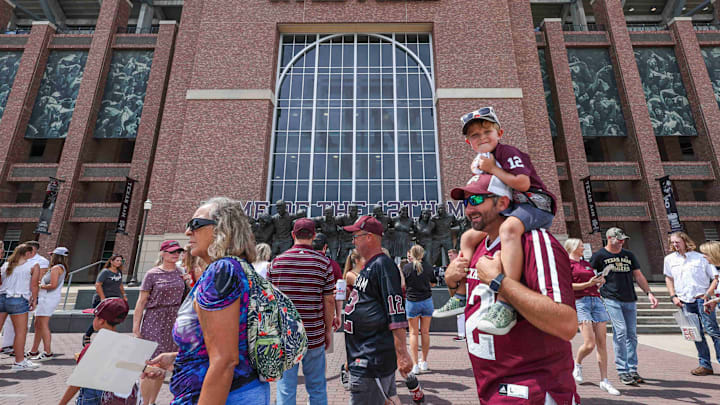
(25,375)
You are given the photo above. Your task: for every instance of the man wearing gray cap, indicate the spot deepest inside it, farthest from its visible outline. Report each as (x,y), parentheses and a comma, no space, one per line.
(621,269)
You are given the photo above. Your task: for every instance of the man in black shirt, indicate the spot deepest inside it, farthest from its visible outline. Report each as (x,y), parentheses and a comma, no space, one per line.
(375,321)
(621,268)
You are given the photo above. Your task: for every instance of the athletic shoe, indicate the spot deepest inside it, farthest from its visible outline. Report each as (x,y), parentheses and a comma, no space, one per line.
(31,354)
(498,320)
(454,306)
(344,377)
(7,350)
(627,379)
(415,370)
(635,376)
(577,373)
(459,338)
(42,357)
(423,367)
(607,387)
(25,365)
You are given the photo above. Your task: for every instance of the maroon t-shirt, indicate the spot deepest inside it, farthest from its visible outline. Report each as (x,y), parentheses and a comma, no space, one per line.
(515,161)
(336,270)
(582,271)
(527,363)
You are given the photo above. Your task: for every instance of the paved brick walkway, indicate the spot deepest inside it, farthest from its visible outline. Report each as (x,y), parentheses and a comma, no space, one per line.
(450,382)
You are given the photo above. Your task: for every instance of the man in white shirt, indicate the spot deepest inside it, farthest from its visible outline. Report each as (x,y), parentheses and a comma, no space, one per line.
(691,279)
(8,331)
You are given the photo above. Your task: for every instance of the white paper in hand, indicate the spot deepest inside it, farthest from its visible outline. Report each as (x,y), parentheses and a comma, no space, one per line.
(113,362)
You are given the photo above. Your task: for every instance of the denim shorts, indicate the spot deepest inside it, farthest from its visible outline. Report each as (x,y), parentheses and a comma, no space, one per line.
(255,392)
(531,217)
(14,305)
(368,390)
(591,309)
(89,396)
(413,309)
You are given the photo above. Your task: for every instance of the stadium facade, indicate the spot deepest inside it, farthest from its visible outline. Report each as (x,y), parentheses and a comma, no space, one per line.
(325,103)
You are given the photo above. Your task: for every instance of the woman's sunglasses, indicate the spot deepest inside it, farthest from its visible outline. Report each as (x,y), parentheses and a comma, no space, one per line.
(476,199)
(197,223)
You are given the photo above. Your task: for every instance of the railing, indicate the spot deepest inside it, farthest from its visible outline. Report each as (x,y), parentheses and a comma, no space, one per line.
(133,30)
(72,273)
(706,27)
(646,27)
(88,29)
(16,31)
(583,27)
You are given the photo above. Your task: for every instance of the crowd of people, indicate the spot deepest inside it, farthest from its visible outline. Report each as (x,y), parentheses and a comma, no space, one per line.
(511,283)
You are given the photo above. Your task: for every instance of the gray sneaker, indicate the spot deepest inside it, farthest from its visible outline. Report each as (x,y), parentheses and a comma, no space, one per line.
(454,306)
(498,320)
(25,365)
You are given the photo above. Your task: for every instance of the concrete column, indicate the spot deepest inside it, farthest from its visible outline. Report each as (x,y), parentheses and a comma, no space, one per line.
(7,10)
(13,146)
(570,129)
(610,13)
(113,13)
(577,13)
(700,91)
(143,154)
(145,17)
(534,109)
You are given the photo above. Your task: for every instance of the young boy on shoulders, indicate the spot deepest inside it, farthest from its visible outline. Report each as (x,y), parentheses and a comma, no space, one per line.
(533,208)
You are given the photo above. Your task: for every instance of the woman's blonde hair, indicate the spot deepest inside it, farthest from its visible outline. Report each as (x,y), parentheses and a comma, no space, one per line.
(350,262)
(571,244)
(416,254)
(17,254)
(232,233)
(264,251)
(689,243)
(712,251)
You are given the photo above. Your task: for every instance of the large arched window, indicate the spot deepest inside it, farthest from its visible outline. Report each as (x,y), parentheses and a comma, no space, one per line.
(354,119)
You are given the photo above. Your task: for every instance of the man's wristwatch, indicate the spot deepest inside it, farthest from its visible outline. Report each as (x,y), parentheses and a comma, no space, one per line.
(496,282)
(673,296)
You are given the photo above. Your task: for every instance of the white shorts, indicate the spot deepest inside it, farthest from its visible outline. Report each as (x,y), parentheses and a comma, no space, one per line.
(47,304)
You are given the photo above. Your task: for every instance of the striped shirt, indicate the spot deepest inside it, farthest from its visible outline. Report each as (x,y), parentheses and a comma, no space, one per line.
(305,275)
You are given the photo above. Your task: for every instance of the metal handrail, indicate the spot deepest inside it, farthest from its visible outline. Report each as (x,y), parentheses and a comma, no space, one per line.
(70,276)
(646,27)
(583,27)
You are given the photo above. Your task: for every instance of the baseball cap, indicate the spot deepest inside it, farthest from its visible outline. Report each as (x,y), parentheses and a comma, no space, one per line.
(484,113)
(170,246)
(304,224)
(60,251)
(482,184)
(113,310)
(366,223)
(616,233)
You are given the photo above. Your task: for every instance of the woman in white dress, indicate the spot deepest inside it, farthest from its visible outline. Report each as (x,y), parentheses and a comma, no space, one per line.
(50,289)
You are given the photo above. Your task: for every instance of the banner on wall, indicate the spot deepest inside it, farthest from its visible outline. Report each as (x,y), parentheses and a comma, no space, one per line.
(592,210)
(125,206)
(670,207)
(48,206)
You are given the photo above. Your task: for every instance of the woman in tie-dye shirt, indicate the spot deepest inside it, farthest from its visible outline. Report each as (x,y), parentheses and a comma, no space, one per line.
(211,327)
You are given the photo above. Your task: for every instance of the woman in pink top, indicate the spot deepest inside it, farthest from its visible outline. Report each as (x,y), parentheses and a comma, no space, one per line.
(591,313)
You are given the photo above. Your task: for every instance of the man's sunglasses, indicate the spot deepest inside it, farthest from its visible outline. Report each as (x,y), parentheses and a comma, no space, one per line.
(197,223)
(476,199)
(360,234)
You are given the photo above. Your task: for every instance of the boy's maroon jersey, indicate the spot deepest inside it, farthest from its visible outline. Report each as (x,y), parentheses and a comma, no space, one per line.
(515,161)
(527,363)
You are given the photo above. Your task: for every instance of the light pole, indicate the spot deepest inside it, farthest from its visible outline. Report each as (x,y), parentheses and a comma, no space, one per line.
(147,206)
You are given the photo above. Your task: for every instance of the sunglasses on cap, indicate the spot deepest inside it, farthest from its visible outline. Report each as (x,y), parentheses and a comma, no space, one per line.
(485,113)
(197,223)
(477,199)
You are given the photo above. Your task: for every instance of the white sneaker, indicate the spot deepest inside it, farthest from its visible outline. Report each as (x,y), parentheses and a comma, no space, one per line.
(415,370)
(423,367)
(42,356)
(607,387)
(577,373)
(25,365)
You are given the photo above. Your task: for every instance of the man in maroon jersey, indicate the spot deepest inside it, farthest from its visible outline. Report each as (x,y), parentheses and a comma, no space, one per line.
(533,363)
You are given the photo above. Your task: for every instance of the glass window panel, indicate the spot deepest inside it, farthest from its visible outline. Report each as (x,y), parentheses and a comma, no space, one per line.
(334,123)
(308,87)
(361,191)
(403,142)
(318,191)
(346,162)
(347,118)
(375,192)
(427,118)
(404,190)
(324,56)
(363,86)
(319,166)
(292,144)
(375,119)
(387,118)
(347,87)
(400,56)
(375,142)
(387,86)
(306,120)
(361,166)
(362,54)
(388,143)
(428,142)
(388,166)
(374,82)
(403,166)
(415,142)
(289,191)
(425,90)
(336,54)
(333,166)
(280,142)
(418,191)
(303,190)
(402,119)
(323,89)
(294,122)
(361,140)
(430,169)
(297,85)
(310,60)
(387,58)
(321,119)
(345,191)
(346,142)
(287,54)
(336,86)
(389,190)
(374,54)
(375,166)
(416,162)
(415,120)
(279,169)
(402,86)
(431,191)
(413,86)
(424,52)
(304,166)
(291,167)
(331,190)
(305,142)
(348,55)
(285,88)
(277,190)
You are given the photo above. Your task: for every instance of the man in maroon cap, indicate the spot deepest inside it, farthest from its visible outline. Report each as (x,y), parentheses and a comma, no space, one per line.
(375,321)
(533,362)
(305,276)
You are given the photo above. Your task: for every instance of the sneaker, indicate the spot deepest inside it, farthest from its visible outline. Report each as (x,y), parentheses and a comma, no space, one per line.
(635,376)
(607,387)
(25,365)
(627,379)
(577,374)
(423,367)
(7,350)
(454,306)
(459,338)
(498,320)
(415,370)
(344,377)
(31,354)
(42,357)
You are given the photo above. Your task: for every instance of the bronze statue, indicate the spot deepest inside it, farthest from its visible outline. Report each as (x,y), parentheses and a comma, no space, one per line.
(442,237)
(424,230)
(346,239)
(328,226)
(283,223)
(385,221)
(402,226)
(463,224)
(264,229)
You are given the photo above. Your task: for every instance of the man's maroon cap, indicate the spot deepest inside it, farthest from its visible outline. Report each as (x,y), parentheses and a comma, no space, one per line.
(482,184)
(304,224)
(366,223)
(170,246)
(113,310)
